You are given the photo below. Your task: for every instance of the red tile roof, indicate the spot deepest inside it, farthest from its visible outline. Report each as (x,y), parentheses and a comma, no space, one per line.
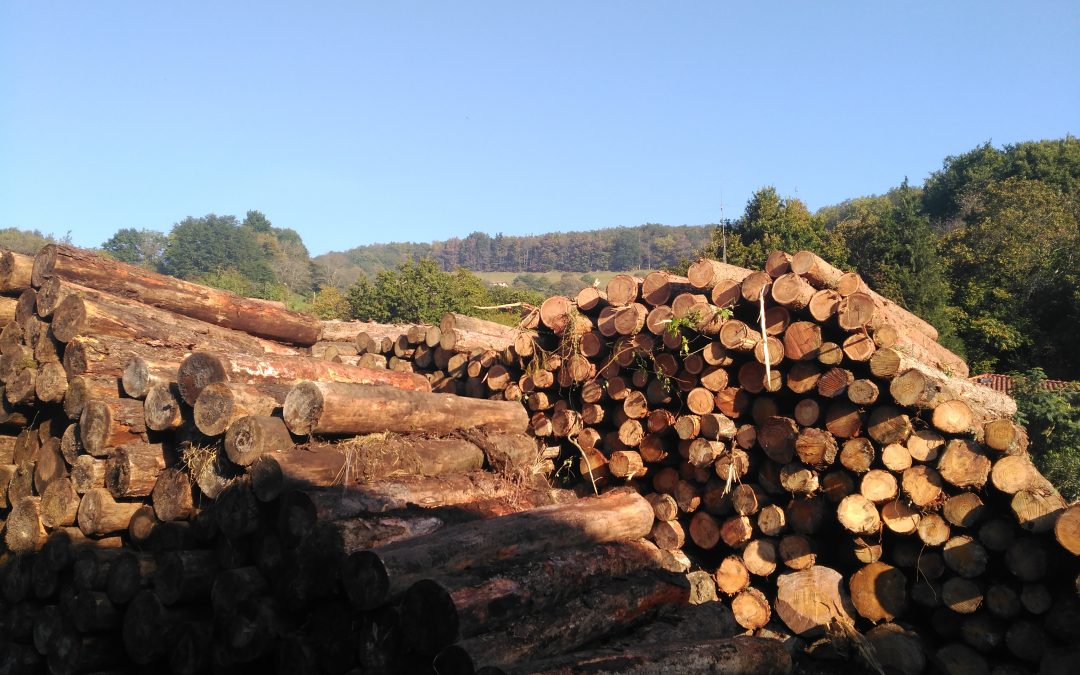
(1004,383)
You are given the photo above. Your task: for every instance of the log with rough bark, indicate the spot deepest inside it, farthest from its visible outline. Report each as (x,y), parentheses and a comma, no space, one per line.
(926,388)
(742,655)
(443,611)
(108,423)
(337,408)
(220,404)
(606,611)
(222,308)
(914,345)
(16,271)
(94,313)
(204,367)
(704,274)
(370,577)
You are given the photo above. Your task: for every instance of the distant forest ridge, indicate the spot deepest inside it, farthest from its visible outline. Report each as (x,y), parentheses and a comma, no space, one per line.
(649,246)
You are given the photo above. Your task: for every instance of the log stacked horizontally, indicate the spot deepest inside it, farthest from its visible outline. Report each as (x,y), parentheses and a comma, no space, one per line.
(197,482)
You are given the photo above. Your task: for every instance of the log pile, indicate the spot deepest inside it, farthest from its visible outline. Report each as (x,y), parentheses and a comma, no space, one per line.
(197,482)
(814,446)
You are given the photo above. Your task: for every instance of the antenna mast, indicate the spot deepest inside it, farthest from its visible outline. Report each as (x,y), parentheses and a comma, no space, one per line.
(723,226)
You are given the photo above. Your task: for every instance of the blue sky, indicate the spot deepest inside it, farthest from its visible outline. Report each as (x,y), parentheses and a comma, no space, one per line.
(360,122)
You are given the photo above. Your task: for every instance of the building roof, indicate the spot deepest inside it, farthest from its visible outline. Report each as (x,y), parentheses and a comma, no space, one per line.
(1004,383)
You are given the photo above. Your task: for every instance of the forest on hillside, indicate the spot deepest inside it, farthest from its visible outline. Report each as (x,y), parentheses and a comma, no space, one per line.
(986,249)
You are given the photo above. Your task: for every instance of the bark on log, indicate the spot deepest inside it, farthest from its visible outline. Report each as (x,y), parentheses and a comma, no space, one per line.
(220,404)
(24,531)
(926,388)
(741,655)
(16,271)
(100,514)
(214,306)
(370,577)
(250,437)
(336,408)
(704,274)
(92,313)
(132,470)
(606,611)
(440,612)
(109,423)
(203,368)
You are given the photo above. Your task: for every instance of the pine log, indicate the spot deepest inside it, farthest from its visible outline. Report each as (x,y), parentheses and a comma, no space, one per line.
(24,531)
(1037,508)
(16,271)
(93,313)
(59,504)
(926,388)
(172,496)
(879,592)
(220,404)
(203,368)
(100,514)
(221,308)
(1067,529)
(336,408)
(743,655)
(751,609)
(443,611)
(132,470)
(606,611)
(808,601)
(109,423)
(141,373)
(372,576)
(704,274)
(84,388)
(913,345)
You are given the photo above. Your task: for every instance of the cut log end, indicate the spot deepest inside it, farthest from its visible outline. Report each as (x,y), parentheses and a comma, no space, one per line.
(303,408)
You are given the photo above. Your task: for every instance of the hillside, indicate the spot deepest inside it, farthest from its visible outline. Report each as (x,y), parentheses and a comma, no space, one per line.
(647,246)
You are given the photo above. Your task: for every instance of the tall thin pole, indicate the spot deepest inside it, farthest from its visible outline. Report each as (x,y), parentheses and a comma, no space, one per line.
(723,226)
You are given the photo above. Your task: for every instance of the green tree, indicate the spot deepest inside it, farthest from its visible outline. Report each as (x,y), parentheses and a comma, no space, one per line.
(27,242)
(1052,419)
(892,245)
(771,223)
(416,291)
(330,303)
(200,246)
(137,247)
(1015,266)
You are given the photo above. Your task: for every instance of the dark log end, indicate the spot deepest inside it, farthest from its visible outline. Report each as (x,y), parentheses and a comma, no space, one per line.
(44,262)
(143,629)
(95,423)
(250,437)
(454,660)
(429,612)
(52,383)
(236,510)
(214,409)
(118,473)
(68,318)
(172,497)
(365,580)
(266,478)
(196,372)
(49,297)
(303,408)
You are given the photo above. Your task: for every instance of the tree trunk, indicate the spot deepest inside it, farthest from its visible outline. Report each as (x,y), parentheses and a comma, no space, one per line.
(100,514)
(337,408)
(93,313)
(440,612)
(925,388)
(220,404)
(704,274)
(372,576)
(252,436)
(605,611)
(268,320)
(24,531)
(16,271)
(132,470)
(203,368)
(84,388)
(109,423)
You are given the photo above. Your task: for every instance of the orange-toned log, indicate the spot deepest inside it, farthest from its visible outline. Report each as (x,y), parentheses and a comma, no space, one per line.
(371,577)
(339,408)
(214,306)
(705,273)
(204,367)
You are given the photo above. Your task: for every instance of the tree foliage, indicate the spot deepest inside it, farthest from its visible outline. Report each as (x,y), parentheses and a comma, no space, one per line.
(1052,419)
(144,248)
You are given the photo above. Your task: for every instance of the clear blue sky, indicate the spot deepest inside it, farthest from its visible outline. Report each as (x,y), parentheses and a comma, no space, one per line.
(359,122)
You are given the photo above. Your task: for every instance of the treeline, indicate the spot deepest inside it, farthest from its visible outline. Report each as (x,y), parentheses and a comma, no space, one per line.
(987,250)
(648,246)
(250,257)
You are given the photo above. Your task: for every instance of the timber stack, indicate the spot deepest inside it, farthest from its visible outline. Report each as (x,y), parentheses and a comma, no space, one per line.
(813,446)
(198,482)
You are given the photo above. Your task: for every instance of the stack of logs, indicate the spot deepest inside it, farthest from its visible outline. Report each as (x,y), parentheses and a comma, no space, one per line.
(191,481)
(812,444)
